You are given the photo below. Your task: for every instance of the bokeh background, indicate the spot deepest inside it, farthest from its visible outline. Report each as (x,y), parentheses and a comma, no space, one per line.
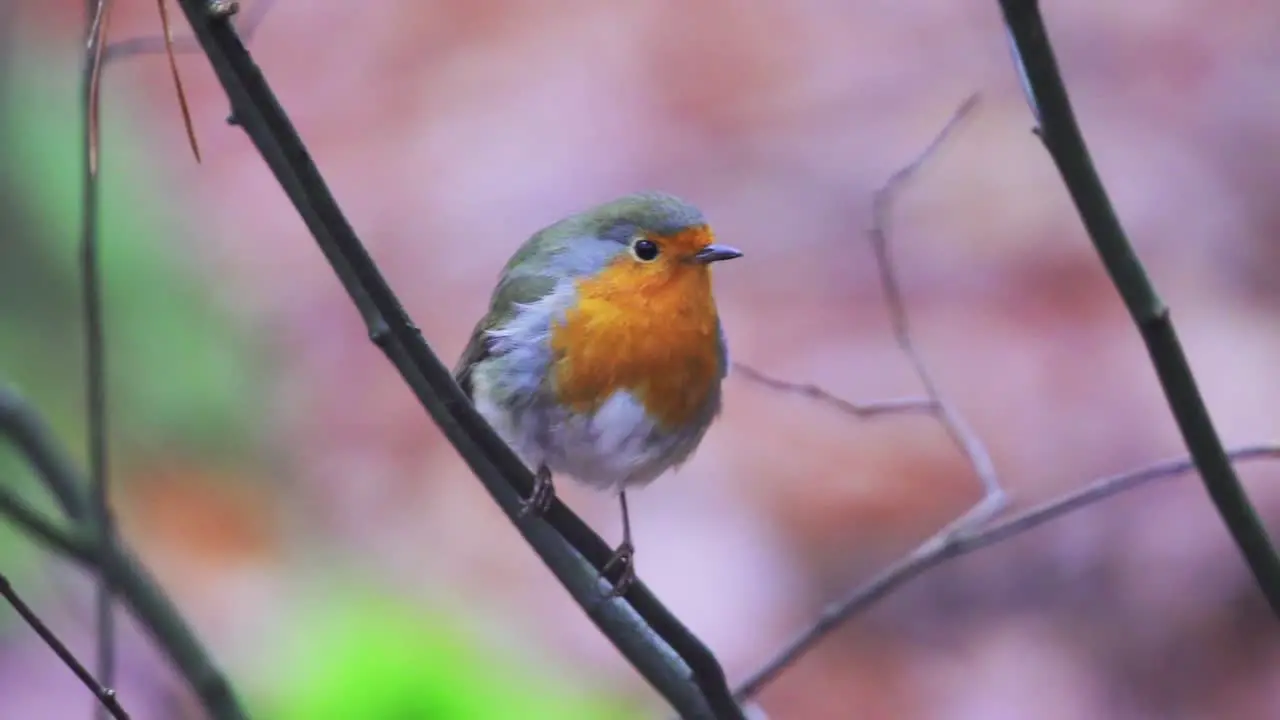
(336,555)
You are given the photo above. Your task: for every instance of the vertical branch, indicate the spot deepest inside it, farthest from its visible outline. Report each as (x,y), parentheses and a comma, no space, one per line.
(1038,70)
(98,12)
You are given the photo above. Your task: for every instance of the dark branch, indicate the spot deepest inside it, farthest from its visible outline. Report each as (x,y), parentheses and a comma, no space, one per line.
(566,544)
(67,543)
(106,697)
(140,593)
(1061,135)
(97,20)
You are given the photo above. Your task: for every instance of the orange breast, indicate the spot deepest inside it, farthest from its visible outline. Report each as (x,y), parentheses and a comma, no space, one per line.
(646,329)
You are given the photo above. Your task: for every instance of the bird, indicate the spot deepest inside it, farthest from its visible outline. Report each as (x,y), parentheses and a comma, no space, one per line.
(601,356)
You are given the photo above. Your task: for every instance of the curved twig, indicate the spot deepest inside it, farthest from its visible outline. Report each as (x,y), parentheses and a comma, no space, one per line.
(948,544)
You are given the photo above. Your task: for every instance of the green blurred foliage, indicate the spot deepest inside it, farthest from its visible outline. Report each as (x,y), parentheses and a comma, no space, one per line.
(369,657)
(181,380)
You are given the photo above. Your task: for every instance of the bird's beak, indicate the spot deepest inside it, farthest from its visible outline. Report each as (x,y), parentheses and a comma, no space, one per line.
(716,253)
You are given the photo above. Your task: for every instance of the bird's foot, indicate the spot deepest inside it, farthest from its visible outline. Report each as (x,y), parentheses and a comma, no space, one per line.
(624,556)
(540,499)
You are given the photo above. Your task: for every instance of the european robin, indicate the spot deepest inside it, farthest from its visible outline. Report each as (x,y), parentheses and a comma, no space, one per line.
(601,355)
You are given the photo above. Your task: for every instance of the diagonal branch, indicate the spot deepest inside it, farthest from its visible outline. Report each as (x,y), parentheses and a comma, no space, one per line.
(665,652)
(948,545)
(80,542)
(1038,70)
(68,543)
(106,697)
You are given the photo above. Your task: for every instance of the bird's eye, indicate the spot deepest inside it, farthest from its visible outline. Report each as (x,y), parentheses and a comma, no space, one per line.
(645,250)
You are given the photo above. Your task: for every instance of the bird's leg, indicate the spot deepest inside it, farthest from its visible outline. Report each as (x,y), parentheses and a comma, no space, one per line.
(544,492)
(624,555)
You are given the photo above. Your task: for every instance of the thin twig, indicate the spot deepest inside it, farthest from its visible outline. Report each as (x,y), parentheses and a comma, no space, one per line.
(106,697)
(65,542)
(1038,69)
(948,544)
(936,404)
(993,496)
(99,18)
(810,391)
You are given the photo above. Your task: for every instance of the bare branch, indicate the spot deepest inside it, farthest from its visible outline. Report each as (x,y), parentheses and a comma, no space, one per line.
(993,500)
(1038,70)
(21,424)
(99,19)
(935,403)
(67,543)
(950,544)
(859,410)
(23,427)
(993,495)
(106,697)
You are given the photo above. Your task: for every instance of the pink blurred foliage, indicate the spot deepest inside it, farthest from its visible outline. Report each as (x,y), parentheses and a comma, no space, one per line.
(450,130)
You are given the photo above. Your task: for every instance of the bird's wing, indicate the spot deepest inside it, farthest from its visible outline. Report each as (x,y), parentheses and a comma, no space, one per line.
(515,289)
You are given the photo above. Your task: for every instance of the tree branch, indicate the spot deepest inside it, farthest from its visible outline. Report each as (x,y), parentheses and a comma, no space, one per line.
(948,545)
(65,542)
(635,623)
(866,410)
(81,543)
(993,495)
(106,697)
(1038,70)
(98,13)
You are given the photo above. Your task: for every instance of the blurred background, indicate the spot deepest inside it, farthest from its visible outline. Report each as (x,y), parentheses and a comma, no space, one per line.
(340,561)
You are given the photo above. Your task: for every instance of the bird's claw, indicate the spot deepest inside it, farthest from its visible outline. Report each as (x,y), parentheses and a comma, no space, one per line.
(540,499)
(625,556)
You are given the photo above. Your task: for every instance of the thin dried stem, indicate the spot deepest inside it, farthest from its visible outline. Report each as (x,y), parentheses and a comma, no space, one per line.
(177,79)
